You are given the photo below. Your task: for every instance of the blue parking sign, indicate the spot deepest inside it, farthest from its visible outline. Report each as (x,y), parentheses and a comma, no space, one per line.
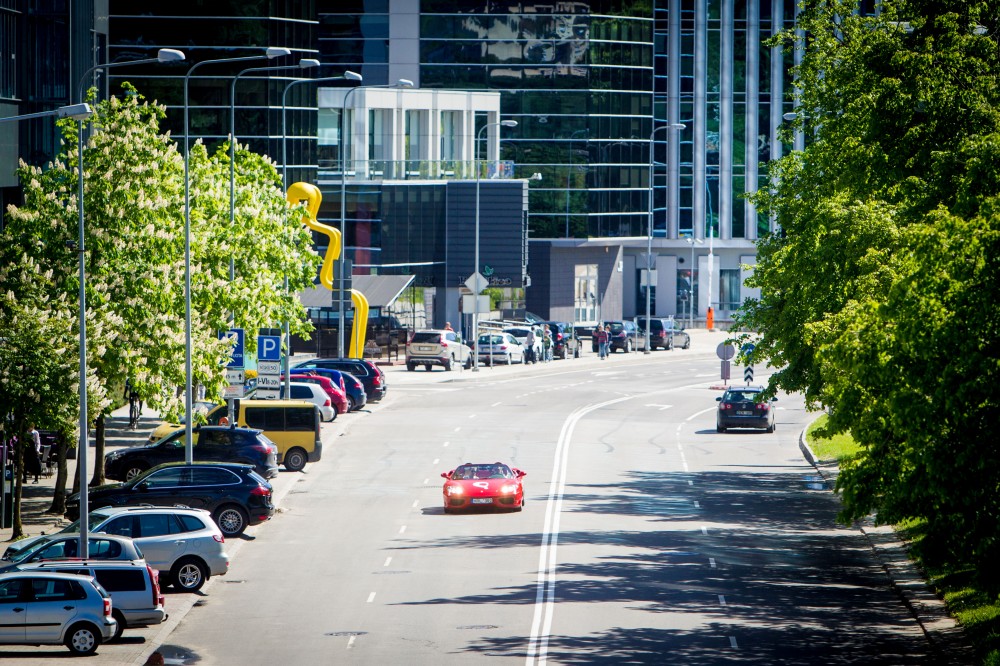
(236,359)
(268,347)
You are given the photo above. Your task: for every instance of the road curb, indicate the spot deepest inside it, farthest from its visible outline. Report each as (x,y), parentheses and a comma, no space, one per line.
(946,636)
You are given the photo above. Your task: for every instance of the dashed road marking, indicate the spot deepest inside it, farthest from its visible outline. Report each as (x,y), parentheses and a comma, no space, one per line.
(722,600)
(350,641)
(436,461)
(415,504)
(371,598)
(711,562)
(732,642)
(402,529)
(704,530)
(387,560)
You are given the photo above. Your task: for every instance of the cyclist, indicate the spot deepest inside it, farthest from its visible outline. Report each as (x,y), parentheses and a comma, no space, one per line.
(134,405)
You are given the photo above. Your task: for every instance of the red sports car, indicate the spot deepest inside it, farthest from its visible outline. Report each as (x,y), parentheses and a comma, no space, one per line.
(486,485)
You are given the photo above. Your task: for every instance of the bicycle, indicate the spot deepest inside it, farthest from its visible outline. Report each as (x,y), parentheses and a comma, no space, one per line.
(134,410)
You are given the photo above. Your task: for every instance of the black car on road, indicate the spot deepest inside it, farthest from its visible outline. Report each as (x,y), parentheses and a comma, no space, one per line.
(622,336)
(743,407)
(218,443)
(233,493)
(370,375)
(564,341)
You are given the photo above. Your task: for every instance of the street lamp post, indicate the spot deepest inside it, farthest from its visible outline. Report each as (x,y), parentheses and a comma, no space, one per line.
(269,53)
(341,315)
(163,55)
(569,173)
(691,241)
(304,63)
(475,268)
(649,231)
(350,76)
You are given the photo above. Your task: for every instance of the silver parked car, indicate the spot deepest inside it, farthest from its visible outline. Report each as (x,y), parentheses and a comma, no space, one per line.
(62,545)
(134,588)
(437,347)
(43,608)
(183,544)
(499,348)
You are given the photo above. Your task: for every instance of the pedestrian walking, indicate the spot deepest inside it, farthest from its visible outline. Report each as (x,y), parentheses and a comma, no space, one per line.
(33,456)
(546,344)
(601,335)
(529,344)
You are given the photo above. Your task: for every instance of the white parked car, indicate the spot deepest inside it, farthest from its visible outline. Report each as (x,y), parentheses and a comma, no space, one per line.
(499,348)
(43,608)
(436,347)
(521,334)
(313,393)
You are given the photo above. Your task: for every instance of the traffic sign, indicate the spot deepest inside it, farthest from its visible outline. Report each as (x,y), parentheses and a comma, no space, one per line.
(268,382)
(267,394)
(725,370)
(268,368)
(235,376)
(476,283)
(748,374)
(726,351)
(236,357)
(268,348)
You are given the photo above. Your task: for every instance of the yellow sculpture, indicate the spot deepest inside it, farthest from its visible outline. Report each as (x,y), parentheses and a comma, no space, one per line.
(297,193)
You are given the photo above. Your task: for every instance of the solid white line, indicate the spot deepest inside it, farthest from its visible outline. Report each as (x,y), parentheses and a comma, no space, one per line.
(732,642)
(387,560)
(704,411)
(545,590)
(371,598)
(350,641)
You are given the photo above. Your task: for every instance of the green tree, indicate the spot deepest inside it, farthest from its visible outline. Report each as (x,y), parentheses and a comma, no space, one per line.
(134,204)
(878,293)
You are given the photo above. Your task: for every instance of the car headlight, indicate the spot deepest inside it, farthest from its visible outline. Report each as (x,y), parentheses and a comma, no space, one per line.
(113,455)
(454,490)
(509,488)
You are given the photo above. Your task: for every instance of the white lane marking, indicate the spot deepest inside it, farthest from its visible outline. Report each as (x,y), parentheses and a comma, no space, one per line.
(371,598)
(458,428)
(436,461)
(426,481)
(732,642)
(387,560)
(541,623)
(472,416)
(704,411)
(690,482)
(415,504)
(496,404)
(704,530)
(722,600)
(350,641)
(711,562)
(696,505)
(402,529)
(661,407)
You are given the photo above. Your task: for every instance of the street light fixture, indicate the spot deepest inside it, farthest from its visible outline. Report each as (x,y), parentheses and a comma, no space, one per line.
(269,53)
(475,269)
(349,76)
(691,241)
(649,234)
(341,315)
(74,111)
(163,55)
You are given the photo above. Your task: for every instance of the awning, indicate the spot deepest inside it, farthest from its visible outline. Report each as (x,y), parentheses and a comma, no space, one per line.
(381,291)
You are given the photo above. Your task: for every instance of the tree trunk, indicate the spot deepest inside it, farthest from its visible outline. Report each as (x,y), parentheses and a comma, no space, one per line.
(59,495)
(98,478)
(17,530)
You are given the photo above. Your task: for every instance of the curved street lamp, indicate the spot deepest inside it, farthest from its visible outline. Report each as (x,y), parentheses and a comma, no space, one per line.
(348,76)
(163,55)
(269,53)
(341,319)
(475,269)
(649,234)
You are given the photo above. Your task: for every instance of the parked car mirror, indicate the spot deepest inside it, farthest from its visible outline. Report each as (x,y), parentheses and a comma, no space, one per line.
(719,399)
(446,475)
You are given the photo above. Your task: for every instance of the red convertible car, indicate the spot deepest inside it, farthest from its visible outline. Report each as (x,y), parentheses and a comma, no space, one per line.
(483,485)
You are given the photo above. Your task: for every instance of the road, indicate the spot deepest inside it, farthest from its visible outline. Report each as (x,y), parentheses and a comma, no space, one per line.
(647,537)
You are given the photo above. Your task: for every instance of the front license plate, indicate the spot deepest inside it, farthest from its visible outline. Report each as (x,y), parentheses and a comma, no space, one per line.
(482,500)
(744,413)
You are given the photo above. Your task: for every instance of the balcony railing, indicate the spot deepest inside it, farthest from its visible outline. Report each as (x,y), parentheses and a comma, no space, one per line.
(330,170)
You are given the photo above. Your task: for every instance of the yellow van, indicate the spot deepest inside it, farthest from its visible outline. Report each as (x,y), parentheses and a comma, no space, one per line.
(291,424)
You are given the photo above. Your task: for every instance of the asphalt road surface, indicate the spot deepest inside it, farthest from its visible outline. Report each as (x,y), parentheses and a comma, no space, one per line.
(647,536)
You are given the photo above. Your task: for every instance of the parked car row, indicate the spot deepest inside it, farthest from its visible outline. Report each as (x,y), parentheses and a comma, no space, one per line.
(627,335)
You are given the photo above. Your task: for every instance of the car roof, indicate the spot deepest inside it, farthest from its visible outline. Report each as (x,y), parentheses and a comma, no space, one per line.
(745,388)
(53,574)
(230,427)
(206,463)
(118,510)
(78,562)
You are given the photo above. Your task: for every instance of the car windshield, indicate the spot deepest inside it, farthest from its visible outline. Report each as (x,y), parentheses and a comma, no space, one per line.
(92,524)
(494,471)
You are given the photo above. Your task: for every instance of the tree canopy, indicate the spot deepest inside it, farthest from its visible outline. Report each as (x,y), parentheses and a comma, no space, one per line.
(878,293)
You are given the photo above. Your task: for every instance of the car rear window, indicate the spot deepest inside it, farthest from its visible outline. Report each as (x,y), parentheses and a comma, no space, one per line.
(121,580)
(213,476)
(427,337)
(617,328)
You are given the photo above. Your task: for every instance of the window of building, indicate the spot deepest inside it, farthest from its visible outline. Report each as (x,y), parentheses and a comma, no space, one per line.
(687,292)
(729,289)
(585,292)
